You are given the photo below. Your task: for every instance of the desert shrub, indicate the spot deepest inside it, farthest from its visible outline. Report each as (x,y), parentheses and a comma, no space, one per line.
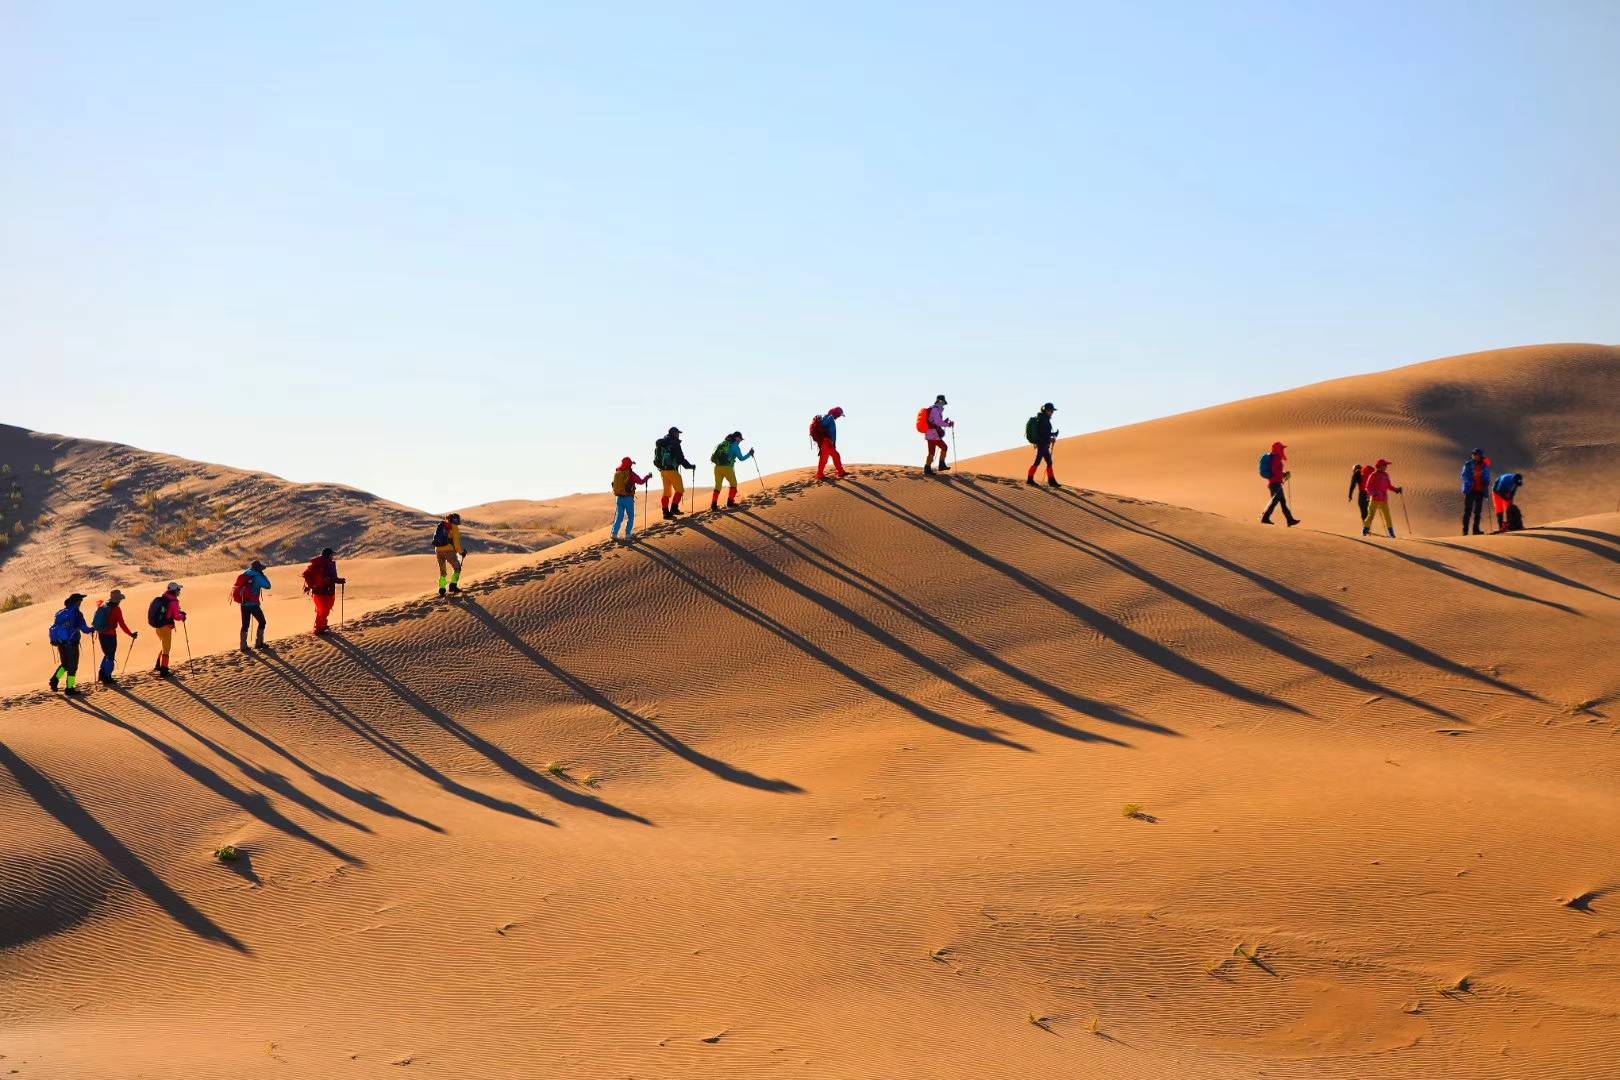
(16,600)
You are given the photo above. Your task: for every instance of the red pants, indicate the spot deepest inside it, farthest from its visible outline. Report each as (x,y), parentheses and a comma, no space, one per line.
(323,608)
(829,450)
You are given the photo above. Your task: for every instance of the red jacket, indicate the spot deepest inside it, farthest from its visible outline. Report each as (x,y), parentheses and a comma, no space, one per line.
(1279,462)
(115,619)
(1379,486)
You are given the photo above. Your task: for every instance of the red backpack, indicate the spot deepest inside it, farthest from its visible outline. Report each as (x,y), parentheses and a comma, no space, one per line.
(315,574)
(922,420)
(240,590)
(818,432)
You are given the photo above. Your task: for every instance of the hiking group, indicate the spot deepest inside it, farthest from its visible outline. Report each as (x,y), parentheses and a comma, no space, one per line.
(1370,487)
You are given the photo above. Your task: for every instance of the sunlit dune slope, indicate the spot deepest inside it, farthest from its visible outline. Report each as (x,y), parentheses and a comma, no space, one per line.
(836,786)
(1546,411)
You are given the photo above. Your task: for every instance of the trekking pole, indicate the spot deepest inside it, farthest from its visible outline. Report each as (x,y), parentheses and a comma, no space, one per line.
(758,473)
(187,629)
(955,458)
(127,653)
(1406,515)
(343,597)
(95,654)
(694,484)
(646,496)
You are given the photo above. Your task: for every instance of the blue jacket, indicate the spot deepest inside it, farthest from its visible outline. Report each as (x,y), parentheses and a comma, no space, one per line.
(733,452)
(68,624)
(830,426)
(1468,476)
(1508,484)
(257,582)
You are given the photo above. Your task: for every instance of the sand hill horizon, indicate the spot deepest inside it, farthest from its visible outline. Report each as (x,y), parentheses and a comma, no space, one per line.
(898,776)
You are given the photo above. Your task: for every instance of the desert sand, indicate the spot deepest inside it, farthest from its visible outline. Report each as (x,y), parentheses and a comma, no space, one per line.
(1545,410)
(894,777)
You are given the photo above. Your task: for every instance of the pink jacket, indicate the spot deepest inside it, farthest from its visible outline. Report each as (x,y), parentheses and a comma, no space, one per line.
(1379,486)
(175,614)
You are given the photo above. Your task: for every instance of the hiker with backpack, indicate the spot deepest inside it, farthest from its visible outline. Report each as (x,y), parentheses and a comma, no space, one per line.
(246,591)
(1476,484)
(448,549)
(931,424)
(824,433)
(321,583)
(1506,489)
(725,458)
(161,615)
(1358,489)
(1379,485)
(1039,433)
(106,622)
(625,482)
(1274,467)
(669,459)
(64,635)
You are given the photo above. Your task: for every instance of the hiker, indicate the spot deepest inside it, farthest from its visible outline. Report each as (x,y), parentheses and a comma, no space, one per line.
(320,582)
(1039,433)
(669,459)
(725,458)
(1503,492)
(106,622)
(1274,467)
(64,634)
(931,423)
(249,584)
(824,433)
(625,482)
(1476,484)
(1358,489)
(1379,485)
(161,615)
(448,549)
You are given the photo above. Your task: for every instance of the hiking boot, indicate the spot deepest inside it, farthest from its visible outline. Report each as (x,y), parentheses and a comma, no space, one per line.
(110,680)
(1292,522)
(928,470)
(676,512)
(1392,534)
(258,642)
(1051,482)
(944,467)
(1031,482)
(1364,531)
(53,684)
(265,646)
(243,645)
(72,691)
(454,587)
(441,591)
(1265,521)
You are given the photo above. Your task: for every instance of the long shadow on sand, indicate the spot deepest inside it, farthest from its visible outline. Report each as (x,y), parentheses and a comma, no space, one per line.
(58,802)
(637,723)
(253,802)
(1523,566)
(721,596)
(367,800)
(1116,631)
(495,755)
(1015,710)
(1255,631)
(1319,606)
(349,719)
(1457,575)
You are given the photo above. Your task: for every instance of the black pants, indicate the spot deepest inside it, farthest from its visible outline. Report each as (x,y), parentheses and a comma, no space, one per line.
(1277,499)
(249,613)
(1362,501)
(1473,505)
(69,654)
(1042,453)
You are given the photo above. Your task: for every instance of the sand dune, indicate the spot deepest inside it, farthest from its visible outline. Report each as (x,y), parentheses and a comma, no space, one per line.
(1545,410)
(836,787)
(81,514)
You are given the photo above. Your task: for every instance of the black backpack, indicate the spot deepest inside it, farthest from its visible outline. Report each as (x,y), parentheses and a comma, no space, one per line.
(157,612)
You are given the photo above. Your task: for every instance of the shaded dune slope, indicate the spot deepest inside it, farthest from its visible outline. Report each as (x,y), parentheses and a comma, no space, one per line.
(832,786)
(1544,410)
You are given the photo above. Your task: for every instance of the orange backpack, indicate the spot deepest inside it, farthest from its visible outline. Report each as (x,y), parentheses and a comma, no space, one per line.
(922,420)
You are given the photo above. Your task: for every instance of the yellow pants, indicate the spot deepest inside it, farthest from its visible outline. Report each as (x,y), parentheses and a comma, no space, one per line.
(165,639)
(725,474)
(1375,508)
(672,482)
(447,555)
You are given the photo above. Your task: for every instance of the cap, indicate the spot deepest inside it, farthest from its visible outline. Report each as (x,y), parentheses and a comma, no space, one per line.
(115,596)
(1478,451)
(1381,462)
(736,436)
(626,463)
(174,586)
(939,399)
(73,598)
(675,431)
(327,551)
(836,411)
(1049,407)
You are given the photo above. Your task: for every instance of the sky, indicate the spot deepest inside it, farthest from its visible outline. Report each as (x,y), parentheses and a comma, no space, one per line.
(458,253)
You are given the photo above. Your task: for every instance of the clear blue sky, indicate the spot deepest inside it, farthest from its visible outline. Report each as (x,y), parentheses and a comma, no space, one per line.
(451,253)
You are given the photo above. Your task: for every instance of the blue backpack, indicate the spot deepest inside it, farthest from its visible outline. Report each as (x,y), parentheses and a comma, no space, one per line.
(64,630)
(1265,465)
